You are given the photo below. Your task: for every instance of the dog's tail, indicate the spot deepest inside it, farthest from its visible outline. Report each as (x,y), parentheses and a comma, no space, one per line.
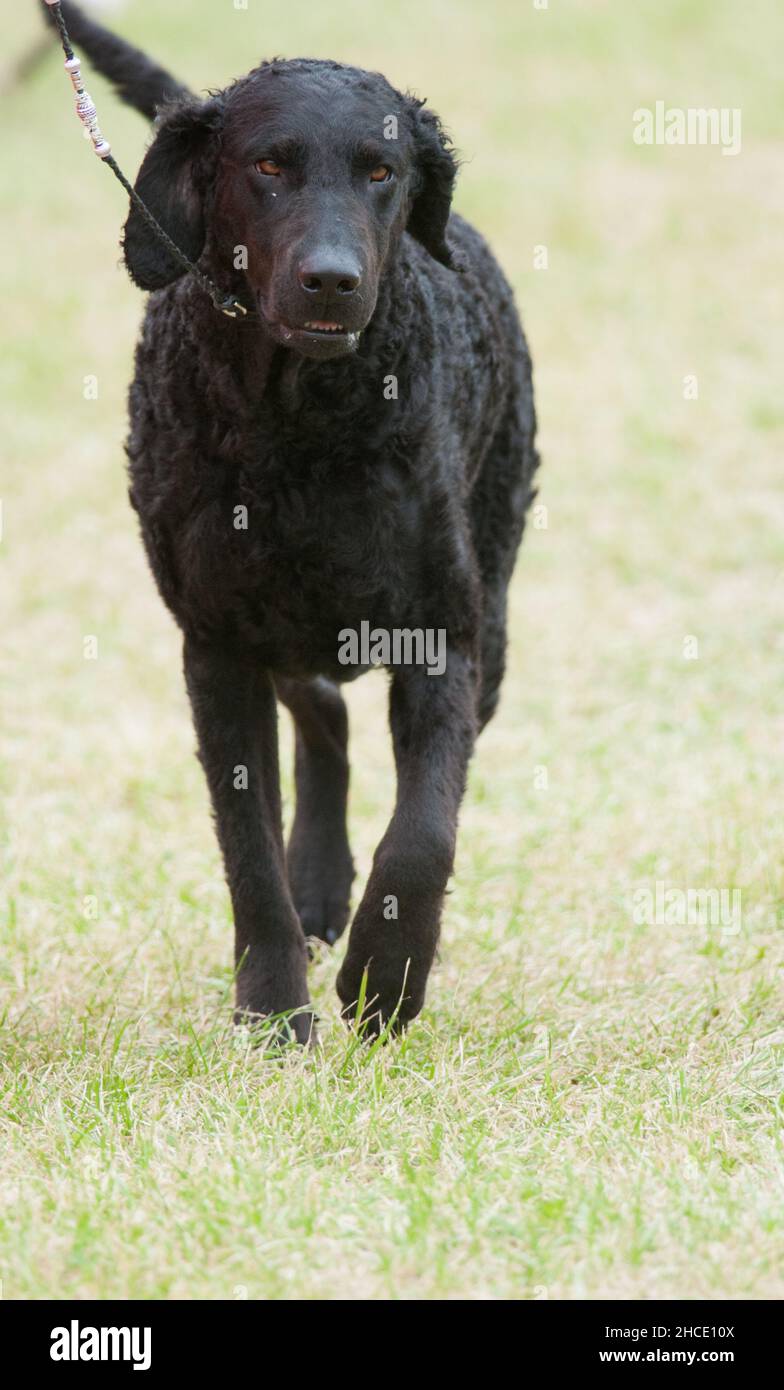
(139,81)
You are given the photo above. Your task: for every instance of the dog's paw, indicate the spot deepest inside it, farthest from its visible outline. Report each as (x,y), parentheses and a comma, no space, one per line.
(323,918)
(275,1031)
(272,994)
(321,890)
(380,992)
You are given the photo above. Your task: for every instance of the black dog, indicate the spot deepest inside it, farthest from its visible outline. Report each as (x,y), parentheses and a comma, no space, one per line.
(358,450)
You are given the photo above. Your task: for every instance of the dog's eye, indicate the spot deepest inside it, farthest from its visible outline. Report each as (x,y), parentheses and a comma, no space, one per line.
(269,167)
(382,174)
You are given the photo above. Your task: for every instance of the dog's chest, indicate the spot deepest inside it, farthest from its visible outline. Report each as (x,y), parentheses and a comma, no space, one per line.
(292,552)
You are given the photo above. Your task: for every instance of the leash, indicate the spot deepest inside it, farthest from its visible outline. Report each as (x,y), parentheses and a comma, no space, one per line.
(88,115)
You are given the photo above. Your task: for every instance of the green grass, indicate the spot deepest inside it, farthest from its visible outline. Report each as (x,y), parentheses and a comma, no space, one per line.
(587,1107)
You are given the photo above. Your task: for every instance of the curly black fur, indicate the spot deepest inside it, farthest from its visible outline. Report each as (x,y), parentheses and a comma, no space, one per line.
(385,477)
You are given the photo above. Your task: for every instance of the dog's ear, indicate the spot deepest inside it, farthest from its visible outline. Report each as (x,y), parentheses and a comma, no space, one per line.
(173,183)
(437,172)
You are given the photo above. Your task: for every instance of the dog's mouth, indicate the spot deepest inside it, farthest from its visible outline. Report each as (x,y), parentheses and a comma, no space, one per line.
(323,330)
(322,326)
(318,338)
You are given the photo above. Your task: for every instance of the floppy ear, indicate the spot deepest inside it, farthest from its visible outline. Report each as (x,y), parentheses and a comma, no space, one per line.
(433,199)
(173,183)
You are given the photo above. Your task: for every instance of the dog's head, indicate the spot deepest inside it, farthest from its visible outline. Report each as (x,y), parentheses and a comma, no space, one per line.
(298,182)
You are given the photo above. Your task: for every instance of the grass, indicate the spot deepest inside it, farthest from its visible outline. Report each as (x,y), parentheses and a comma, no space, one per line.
(588,1107)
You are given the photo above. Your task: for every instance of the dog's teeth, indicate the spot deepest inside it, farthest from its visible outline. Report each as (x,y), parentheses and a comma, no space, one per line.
(318,326)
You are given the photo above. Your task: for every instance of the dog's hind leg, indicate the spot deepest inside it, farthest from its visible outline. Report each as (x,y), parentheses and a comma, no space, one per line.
(319,860)
(235,714)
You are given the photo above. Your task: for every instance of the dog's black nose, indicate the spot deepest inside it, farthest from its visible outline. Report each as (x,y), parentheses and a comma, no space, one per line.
(325,274)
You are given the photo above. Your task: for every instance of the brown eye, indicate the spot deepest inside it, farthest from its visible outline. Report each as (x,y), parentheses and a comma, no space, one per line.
(382,174)
(269,167)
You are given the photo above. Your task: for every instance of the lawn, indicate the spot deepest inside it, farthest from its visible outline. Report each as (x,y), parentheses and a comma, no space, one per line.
(590,1105)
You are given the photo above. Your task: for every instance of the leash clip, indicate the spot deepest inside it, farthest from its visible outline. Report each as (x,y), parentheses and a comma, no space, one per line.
(232,308)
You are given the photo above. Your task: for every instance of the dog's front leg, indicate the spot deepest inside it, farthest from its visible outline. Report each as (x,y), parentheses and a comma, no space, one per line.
(395,931)
(235,714)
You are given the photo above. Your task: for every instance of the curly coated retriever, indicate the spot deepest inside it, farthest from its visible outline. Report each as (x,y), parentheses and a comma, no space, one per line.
(338,480)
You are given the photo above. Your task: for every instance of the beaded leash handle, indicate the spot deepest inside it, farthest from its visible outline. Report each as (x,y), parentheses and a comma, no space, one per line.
(88,115)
